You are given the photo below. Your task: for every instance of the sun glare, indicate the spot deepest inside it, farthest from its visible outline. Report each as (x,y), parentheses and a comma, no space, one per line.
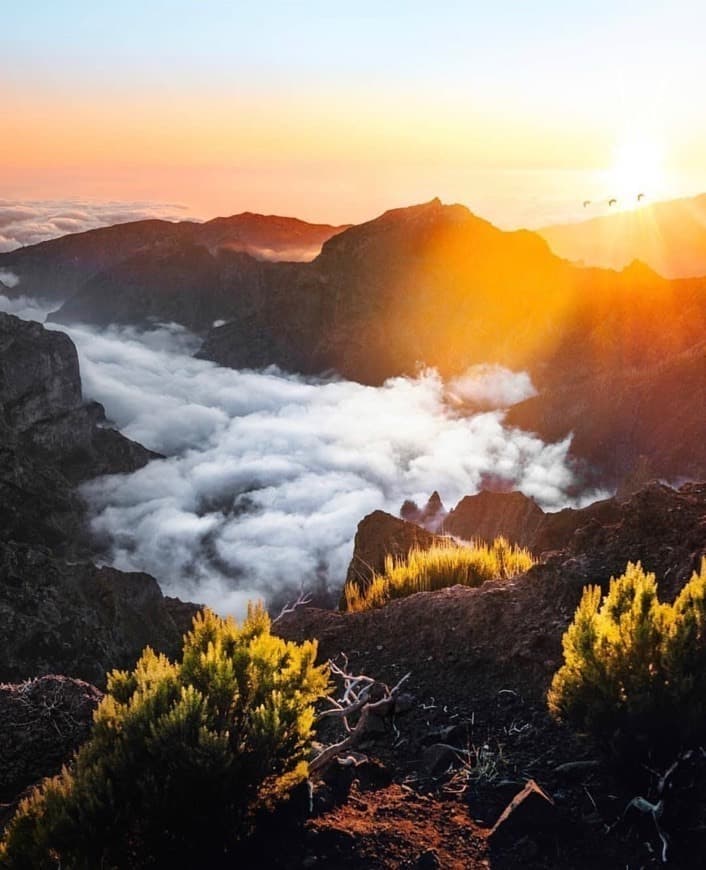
(638,169)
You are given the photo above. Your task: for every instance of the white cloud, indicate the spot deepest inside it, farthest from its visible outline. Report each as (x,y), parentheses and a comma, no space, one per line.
(9,279)
(267,475)
(33,221)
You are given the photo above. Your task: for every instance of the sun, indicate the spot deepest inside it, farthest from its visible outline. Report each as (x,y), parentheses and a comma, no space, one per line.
(638,168)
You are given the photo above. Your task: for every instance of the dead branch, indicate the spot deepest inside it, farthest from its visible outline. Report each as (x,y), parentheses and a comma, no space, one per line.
(361,696)
(302,600)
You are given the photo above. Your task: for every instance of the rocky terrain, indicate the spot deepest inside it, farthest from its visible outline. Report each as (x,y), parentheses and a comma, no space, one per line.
(480,661)
(59,611)
(433,786)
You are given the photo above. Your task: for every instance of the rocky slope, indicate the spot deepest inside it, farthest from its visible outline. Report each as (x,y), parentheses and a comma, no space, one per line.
(480,662)
(60,613)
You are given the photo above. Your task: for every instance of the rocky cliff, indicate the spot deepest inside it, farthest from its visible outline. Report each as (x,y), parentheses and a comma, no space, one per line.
(59,612)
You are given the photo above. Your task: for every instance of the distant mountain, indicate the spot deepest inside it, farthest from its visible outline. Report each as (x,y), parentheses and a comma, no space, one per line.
(59,268)
(669,236)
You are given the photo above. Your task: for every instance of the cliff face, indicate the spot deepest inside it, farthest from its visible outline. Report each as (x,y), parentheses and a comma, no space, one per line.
(60,612)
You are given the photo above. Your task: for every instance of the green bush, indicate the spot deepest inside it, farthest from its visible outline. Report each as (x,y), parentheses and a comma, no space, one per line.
(180,756)
(634,672)
(437,568)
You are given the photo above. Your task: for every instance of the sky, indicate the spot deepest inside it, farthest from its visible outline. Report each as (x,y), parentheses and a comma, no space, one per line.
(334,112)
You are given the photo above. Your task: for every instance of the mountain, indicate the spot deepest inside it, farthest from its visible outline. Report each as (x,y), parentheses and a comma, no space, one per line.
(59,268)
(428,285)
(669,236)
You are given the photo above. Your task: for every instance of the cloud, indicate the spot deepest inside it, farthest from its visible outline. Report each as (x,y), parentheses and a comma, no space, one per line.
(268,475)
(32,221)
(26,307)
(490,386)
(9,279)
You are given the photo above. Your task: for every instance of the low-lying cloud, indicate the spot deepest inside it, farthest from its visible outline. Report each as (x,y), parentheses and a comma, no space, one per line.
(267,475)
(30,221)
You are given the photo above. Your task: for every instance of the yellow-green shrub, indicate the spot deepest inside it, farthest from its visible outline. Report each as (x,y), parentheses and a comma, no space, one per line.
(436,568)
(180,756)
(634,672)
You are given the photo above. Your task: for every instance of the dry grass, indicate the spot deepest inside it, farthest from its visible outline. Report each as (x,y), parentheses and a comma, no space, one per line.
(438,567)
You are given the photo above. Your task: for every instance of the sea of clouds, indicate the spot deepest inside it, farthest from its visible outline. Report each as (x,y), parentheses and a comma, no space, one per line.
(266,475)
(26,222)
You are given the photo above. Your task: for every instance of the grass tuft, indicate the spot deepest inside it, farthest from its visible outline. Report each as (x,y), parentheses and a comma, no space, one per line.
(437,568)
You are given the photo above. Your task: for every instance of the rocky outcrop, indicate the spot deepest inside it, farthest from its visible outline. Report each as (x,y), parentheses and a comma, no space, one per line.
(43,418)
(44,721)
(380,535)
(430,517)
(487,515)
(508,633)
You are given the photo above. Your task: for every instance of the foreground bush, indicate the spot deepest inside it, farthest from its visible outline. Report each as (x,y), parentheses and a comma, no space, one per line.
(437,568)
(634,672)
(180,755)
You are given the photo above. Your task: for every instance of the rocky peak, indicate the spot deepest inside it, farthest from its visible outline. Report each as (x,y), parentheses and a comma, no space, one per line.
(487,515)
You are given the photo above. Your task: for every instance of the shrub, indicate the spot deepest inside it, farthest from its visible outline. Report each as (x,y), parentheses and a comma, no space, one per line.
(634,672)
(181,754)
(436,568)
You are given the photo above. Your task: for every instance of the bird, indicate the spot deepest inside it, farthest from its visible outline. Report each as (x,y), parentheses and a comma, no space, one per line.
(640,196)
(612,202)
(586,202)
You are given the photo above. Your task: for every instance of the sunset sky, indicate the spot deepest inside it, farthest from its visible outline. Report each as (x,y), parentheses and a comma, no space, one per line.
(335,111)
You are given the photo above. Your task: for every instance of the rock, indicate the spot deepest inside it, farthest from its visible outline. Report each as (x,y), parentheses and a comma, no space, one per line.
(487,515)
(61,616)
(379,535)
(59,612)
(44,721)
(531,813)
(430,517)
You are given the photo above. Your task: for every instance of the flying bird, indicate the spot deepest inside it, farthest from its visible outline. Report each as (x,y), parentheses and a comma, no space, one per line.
(586,202)
(640,196)
(612,202)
